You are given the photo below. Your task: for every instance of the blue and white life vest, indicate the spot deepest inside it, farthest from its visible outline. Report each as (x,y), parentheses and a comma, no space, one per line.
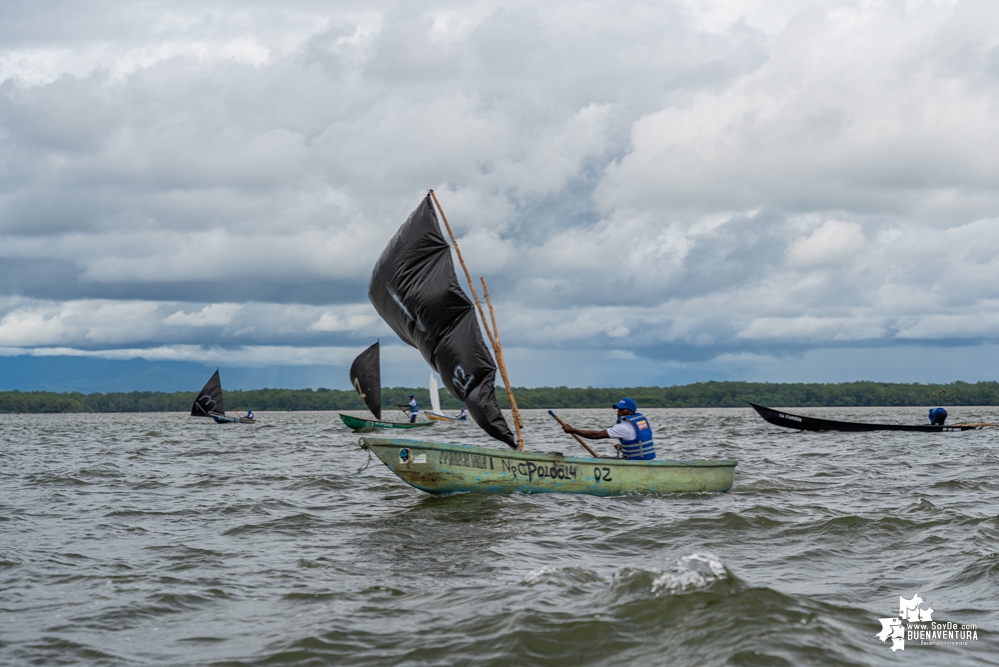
(641,448)
(414,407)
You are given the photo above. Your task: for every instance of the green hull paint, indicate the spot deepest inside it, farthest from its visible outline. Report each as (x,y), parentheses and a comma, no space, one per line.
(437,467)
(369,424)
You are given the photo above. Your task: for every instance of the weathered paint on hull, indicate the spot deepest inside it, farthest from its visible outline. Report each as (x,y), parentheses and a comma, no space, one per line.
(437,467)
(371,424)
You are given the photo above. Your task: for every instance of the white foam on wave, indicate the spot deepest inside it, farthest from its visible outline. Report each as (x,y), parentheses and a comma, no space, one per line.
(536,576)
(693,571)
(697,570)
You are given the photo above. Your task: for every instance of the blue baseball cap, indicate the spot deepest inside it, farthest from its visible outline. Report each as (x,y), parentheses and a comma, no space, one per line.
(626,404)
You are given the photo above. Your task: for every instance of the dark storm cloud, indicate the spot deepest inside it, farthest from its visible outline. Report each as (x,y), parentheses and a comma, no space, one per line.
(700,180)
(61,280)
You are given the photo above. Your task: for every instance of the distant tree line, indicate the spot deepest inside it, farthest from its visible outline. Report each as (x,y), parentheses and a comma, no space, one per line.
(698,395)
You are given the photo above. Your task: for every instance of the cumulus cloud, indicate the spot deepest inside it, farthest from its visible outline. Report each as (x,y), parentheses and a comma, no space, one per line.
(118,324)
(831,243)
(857,106)
(665,180)
(81,323)
(350,321)
(214,315)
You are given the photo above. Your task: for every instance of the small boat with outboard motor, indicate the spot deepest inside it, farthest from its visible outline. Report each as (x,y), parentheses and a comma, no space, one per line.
(803,423)
(415,289)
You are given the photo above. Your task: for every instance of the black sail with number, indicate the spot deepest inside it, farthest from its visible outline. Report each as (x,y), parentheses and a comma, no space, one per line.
(366,376)
(415,290)
(210,399)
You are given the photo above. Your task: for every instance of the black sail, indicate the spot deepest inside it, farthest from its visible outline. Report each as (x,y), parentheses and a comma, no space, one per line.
(366,376)
(415,290)
(210,399)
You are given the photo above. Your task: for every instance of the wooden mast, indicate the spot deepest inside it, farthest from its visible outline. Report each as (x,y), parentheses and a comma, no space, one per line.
(501,362)
(485,325)
(468,276)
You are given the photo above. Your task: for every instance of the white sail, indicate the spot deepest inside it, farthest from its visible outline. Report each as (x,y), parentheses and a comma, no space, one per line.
(435,399)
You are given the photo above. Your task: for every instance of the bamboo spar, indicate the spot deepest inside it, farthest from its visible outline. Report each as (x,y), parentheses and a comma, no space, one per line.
(501,362)
(485,324)
(468,276)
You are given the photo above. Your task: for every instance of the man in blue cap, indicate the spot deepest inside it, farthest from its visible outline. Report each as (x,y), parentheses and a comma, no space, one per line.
(632,431)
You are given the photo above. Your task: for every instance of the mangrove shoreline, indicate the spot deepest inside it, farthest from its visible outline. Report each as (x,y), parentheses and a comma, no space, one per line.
(697,395)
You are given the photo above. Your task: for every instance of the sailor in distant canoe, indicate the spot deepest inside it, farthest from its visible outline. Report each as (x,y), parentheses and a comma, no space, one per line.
(464,413)
(938,416)
(632,431)
(414,409)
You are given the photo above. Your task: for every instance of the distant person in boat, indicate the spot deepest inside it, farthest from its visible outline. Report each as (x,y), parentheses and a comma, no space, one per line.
(249,414)
(463,413)
(632,431)
(938,416)
(414,409)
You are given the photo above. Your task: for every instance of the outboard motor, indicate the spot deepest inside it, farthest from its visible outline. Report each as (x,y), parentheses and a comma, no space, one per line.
(938,416)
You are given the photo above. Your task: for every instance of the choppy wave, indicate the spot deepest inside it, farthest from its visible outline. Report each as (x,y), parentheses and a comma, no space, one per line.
(160,539)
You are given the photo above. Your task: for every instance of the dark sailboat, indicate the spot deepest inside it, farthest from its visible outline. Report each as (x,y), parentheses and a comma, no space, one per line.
(415,289)
(366,376)
(211,403)
(802,423)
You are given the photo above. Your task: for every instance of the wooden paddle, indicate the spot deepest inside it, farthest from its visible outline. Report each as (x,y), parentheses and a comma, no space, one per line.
(578,439)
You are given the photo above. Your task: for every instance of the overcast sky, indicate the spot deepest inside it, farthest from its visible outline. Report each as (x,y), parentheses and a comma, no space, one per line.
(657,192)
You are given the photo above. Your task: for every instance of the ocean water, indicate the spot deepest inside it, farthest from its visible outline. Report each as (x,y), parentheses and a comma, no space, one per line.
(162,539)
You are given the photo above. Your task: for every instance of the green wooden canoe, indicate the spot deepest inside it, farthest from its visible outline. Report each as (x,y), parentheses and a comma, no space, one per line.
(438,467)
(368,424)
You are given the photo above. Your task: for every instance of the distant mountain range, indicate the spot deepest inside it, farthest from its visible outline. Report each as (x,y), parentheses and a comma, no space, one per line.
(87,375)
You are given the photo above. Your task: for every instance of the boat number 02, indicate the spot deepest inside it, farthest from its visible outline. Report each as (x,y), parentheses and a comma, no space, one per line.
(602,474)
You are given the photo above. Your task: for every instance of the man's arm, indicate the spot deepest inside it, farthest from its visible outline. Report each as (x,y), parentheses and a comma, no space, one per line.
(592,435)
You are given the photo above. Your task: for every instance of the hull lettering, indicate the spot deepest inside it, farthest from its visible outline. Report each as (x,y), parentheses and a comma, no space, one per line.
(533,471)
